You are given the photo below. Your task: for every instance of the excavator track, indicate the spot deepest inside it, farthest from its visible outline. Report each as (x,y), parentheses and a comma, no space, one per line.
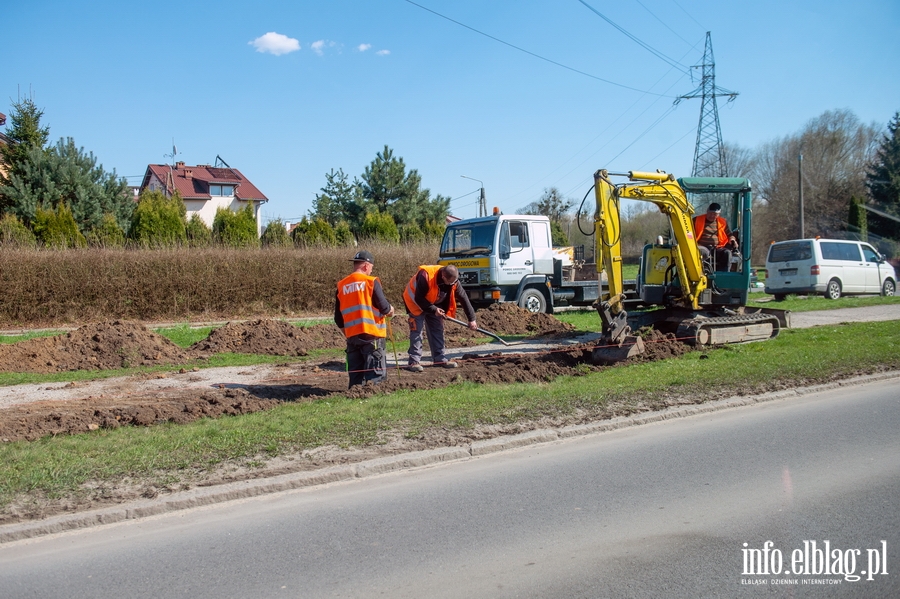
(719,330)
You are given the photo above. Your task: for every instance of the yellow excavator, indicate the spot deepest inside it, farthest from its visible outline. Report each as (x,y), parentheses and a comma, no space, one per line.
(701,299)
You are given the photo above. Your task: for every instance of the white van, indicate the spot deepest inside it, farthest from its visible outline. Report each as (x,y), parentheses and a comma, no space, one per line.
(831,267)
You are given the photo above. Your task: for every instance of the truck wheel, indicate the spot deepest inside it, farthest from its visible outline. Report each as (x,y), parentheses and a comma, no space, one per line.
(889,288)
(533,301)
(833,291)
(779,297)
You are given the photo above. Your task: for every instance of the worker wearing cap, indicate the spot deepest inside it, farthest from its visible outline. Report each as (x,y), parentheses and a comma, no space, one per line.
(432,293)
(714,237)
(360,308)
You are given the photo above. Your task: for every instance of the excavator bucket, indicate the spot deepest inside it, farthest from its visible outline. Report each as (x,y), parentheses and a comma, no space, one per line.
(607,354)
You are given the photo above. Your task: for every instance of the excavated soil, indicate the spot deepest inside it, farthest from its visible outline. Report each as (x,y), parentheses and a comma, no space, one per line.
(119,344)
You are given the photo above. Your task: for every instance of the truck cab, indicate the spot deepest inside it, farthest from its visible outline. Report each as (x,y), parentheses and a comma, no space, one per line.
(510,258)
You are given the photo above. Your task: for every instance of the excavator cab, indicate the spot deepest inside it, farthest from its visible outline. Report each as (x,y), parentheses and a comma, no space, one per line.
(727,272)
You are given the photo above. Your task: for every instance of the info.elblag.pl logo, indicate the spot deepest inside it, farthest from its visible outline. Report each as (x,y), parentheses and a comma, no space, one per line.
(827,564)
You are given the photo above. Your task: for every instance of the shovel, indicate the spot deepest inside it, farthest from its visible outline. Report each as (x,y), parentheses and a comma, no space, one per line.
(488,333)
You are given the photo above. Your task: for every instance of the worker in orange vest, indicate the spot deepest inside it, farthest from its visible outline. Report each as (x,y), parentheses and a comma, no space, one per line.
(432,293)
(714,238)
(360,309)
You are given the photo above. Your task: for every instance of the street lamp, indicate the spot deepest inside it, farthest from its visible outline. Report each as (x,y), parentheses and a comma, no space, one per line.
(482,206)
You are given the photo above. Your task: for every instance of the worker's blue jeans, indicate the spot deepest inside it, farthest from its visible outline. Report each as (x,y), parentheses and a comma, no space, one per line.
(434,325)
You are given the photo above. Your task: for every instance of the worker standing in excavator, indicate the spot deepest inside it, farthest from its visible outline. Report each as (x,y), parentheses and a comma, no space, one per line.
(714,239)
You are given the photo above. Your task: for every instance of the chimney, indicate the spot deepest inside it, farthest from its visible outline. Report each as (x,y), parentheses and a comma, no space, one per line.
(179,164)
(188,173)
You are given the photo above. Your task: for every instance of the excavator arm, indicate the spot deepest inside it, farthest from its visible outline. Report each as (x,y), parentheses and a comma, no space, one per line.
(662,190)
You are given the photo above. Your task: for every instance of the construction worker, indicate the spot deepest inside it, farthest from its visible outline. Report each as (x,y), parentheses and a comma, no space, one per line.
(714,238)
(433,293)
(360,308)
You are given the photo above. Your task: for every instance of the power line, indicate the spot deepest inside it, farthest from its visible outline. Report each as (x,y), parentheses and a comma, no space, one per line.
(633,38)
(530,53)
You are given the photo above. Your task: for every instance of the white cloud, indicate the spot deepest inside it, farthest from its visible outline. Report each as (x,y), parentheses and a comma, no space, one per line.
(275,43)
(383,52)
(319,46)
(363,47)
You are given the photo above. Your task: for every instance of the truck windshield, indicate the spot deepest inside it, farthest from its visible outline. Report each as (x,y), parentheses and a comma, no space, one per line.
(468,240)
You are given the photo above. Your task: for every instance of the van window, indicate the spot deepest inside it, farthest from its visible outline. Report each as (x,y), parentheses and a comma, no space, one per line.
(840,251)
(791,251)
(870,254)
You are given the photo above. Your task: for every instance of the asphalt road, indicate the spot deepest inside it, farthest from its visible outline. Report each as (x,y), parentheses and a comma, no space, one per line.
(662,510)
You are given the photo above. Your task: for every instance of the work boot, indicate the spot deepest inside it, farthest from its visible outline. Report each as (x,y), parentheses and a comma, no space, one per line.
(415,367)
(447,364)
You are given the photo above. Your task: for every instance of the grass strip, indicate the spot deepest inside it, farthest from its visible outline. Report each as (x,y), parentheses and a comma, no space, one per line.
(171,455)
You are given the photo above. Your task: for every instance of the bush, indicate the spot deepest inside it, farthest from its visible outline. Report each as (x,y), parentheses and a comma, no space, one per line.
(344,235)
(14,234)
(379,226)
(276,235)
(107,234)
(314,233)
(235,229)
(57,228)
(159,221)
(197,232)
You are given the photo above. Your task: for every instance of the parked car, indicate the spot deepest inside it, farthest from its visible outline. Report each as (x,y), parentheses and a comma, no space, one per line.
(830,267)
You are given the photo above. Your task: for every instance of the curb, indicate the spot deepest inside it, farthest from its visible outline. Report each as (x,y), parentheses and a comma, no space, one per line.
(204,496)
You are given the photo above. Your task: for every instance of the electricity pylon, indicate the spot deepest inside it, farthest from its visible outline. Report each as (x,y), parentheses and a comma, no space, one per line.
(709,154)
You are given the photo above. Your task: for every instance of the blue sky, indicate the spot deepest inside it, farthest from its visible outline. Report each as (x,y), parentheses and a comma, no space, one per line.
(519,94)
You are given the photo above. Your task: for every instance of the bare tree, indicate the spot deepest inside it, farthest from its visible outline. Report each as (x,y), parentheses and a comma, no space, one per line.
(836,147)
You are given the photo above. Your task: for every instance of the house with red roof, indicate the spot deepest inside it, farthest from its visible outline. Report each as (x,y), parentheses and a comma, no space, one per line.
(205,189)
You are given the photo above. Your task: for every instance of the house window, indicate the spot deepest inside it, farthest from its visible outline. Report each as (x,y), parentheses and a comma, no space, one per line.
(221,190)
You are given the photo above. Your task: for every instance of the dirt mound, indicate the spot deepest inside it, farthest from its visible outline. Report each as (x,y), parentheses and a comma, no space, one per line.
(269,337)
(101,346)
(510,319)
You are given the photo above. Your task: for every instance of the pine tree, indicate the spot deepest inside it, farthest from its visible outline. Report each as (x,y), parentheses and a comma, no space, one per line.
(883,181)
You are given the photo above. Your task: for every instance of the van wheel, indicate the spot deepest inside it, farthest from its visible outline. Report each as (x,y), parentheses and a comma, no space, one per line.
(889,288)
(533,301)
(833,291)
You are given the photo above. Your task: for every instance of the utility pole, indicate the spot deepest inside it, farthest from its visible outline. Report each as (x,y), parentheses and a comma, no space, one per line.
(482,203)
(800,185)
(709,154)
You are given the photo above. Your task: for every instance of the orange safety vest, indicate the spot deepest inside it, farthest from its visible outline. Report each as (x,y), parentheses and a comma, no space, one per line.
(700,224)
(409,296)
(355,300)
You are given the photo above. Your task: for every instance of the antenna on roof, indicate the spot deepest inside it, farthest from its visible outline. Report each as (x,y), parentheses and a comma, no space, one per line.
(173,154)
(220,162)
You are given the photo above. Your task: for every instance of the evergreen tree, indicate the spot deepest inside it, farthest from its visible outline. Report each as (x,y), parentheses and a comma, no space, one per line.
(393,191)
(197,232)
(315,232)
(340,200)
(275,235)
(159,221)
(25,132)
(883,180)
(66,174)
(108,234)
(14,234)
(57,228)
(380,226)
(235,229)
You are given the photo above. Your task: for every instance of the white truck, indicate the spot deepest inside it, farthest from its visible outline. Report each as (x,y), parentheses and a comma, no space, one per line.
(510,258)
